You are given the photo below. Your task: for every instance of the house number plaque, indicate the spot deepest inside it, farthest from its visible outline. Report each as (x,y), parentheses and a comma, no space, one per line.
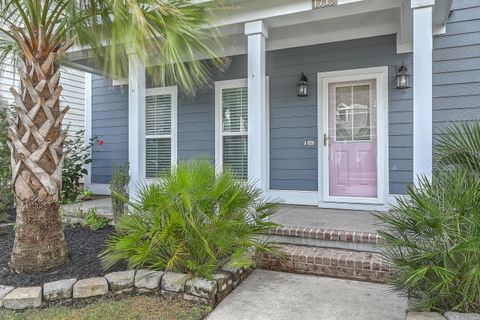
(317,4)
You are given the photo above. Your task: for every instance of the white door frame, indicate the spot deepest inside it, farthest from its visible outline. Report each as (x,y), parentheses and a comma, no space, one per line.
(380,74)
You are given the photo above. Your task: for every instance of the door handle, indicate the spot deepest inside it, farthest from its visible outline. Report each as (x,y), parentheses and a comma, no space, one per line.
(325,139)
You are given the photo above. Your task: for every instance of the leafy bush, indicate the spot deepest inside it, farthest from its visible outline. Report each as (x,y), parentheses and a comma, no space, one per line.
(193,220)
(74,168)
(94,221)
(459,146)
(434,241)
(119,190)
(433,234)
(6,196)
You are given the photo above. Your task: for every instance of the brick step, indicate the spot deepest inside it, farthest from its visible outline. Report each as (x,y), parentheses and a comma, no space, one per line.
(328,262)
(318,237)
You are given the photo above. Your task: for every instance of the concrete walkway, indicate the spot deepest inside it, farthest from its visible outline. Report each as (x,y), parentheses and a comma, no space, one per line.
(268,295)
(103,206)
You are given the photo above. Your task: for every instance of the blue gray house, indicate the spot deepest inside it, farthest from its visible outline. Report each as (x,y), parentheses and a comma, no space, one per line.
(381,77)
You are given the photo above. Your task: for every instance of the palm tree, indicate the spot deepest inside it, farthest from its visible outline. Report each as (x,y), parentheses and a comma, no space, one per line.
(39,35)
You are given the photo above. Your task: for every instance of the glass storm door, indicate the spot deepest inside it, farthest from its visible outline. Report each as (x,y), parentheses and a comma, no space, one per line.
(352,139)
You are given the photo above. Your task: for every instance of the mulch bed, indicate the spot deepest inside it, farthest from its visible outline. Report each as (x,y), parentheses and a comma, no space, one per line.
(8,216)
(84,246)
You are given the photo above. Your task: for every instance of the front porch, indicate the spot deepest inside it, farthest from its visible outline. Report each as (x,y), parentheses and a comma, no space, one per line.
(352,142)
(288,216)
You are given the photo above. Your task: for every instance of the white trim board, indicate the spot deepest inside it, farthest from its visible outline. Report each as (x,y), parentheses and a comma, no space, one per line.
(380,74)
(219,86)
(88,123)
(100,188)
(173,91)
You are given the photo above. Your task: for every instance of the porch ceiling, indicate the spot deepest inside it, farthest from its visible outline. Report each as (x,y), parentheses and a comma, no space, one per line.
(294,23)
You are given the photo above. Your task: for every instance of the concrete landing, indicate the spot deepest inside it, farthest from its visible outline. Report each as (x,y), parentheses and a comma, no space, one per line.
(332,219)
(268,295)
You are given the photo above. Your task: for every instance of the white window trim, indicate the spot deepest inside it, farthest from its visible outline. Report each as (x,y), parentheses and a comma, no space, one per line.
(381,75)
(219,87)
(173,91)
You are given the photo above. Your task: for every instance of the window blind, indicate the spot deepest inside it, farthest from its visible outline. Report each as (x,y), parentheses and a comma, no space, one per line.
(235,130)
(158,129)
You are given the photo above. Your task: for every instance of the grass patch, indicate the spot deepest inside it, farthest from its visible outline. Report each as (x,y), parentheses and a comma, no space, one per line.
(132,308)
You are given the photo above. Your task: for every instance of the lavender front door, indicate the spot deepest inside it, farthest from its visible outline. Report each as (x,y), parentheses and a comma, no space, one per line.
(352,139)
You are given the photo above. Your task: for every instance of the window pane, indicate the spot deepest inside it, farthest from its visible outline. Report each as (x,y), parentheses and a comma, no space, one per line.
(352,118)
(235,151)
(343,116)
(361,112)
(158,156)
(158,115)
(235,110)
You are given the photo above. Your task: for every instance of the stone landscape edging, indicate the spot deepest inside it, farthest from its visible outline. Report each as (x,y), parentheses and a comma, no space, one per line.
(143,281)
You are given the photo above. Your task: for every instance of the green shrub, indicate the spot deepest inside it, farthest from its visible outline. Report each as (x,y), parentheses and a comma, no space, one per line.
(433,239)
(119,190)
(74,167)
(6,195)
(433,234)
(458,146)
(94,221)
(193,221)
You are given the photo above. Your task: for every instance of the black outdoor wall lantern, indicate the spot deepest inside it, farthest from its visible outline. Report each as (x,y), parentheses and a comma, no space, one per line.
(403,78)
(302,86)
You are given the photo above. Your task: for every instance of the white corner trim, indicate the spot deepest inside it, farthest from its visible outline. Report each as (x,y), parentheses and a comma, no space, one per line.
(422,93)
(219,87)
(136,119)
(256,27)
(100,188)
(173,92)
(88,122)
(380,74)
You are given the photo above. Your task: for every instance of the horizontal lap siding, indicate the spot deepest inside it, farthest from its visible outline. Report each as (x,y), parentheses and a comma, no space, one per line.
(196,116)
(73,94)
(456,67)
(109,123)
(294,119)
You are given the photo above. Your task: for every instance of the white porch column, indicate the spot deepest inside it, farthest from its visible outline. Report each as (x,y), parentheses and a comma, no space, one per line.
(257,33)
(422,87)
(136,114)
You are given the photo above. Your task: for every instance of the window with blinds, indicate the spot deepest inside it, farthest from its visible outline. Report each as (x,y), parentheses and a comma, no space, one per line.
(235,130)
(158,134)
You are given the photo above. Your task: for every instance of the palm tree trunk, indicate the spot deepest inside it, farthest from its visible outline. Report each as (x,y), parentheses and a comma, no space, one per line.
(36,142)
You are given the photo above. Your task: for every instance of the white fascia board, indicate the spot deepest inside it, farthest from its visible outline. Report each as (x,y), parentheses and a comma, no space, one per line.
(422,3)
(258,10)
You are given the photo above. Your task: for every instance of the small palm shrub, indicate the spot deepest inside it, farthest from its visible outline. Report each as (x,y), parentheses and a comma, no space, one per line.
(194,221)
(432,236)
(459,146)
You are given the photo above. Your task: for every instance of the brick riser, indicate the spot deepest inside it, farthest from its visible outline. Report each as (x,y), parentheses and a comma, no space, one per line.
(328,235)
(345,264)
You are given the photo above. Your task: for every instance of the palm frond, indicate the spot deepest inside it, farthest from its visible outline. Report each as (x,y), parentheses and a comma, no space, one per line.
(194,221)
